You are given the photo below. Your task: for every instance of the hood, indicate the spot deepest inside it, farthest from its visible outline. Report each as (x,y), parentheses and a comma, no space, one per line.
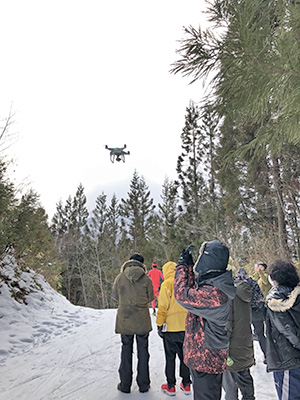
(133,270)
(282,298)
(223,282)
(243,291)
(242,275)
(213,258)
(168,270)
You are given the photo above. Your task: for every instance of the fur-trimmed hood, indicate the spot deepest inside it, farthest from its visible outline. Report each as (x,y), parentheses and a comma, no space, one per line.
(133,270)
(282,298)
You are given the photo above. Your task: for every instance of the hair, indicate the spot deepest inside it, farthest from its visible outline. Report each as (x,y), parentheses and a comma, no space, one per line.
(137,257)
(263,264)
(284,273)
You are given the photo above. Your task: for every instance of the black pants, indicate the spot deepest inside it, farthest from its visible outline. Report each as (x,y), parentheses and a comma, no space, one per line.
(206,386)
(259,329)
(232,381)
(125,369)
(173,342)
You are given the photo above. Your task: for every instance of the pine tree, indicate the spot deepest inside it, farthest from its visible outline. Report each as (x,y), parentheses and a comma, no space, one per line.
(69,227)
(252,196)
(102,251)
(79,214)
(163,235)
(7,204)
(252,63)
(190,169)
(31,239)
(136,212)
(189,163)
(211,208)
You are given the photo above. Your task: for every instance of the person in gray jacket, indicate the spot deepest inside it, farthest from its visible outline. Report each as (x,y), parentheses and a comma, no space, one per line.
(133,291)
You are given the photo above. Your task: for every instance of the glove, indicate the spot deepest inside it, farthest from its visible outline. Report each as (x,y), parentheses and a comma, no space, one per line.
(160,332)
(186,256)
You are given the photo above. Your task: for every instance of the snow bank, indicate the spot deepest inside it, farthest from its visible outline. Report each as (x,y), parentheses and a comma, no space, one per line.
(31,311)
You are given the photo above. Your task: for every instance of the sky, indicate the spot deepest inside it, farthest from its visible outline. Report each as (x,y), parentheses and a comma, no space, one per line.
(51,349)
(79,75)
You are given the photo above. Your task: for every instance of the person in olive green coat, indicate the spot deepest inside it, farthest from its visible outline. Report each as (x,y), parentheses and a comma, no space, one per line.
(133,291)
(241,353)
(262,278)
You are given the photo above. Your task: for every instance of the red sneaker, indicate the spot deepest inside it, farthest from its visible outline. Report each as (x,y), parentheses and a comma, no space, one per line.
(169,392)
(186,389)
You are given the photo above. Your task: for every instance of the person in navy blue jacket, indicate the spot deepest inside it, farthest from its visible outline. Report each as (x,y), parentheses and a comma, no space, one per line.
(283,330)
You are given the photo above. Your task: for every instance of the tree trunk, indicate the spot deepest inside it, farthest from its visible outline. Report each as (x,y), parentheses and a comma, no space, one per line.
(282,233)
(102,291)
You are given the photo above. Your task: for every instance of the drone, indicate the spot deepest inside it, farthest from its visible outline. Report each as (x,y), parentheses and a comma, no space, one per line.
(117,153)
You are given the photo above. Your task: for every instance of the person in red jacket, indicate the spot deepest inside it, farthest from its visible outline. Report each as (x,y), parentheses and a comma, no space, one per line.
(157,277)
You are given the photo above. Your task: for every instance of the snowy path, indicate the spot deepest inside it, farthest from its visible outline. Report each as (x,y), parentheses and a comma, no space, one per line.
(80,362)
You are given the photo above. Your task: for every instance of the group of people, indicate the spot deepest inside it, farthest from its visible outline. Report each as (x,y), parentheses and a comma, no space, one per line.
(204,317)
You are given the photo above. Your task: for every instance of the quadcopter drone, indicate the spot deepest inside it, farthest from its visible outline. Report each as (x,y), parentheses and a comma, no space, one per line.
(117,153)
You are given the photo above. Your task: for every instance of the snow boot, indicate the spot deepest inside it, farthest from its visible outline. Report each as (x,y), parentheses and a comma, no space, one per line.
(122,389)
(145,390)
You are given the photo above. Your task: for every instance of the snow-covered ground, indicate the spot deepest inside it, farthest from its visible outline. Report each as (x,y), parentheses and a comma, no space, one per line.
(50,349)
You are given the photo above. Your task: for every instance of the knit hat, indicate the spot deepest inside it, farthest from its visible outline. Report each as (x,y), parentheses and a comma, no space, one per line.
(213,258)
(137,257)
(263,264)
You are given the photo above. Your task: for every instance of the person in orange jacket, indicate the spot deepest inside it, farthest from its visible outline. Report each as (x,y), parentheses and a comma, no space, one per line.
(157,277)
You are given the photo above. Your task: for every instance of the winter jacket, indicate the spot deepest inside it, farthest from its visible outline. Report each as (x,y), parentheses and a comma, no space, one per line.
(283,328)
(206,342)
(134,291)
(169,310)
(156,276)
(257,298)
(239,329)
(263,282)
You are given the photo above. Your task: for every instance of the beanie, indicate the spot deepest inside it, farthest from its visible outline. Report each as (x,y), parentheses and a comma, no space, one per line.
(263,264)
(137,257)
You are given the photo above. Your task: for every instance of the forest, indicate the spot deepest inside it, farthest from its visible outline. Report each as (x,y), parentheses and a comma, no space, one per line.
(238,174)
